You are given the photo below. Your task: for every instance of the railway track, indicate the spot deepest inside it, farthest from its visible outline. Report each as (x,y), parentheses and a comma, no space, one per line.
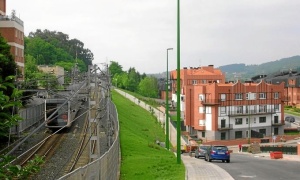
(80,158)
(45,149)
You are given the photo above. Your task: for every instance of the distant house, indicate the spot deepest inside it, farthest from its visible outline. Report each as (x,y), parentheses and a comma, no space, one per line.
(55,70)
(215,110)
(291,80)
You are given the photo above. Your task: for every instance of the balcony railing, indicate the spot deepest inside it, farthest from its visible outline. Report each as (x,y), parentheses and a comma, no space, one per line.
(225,127)
(251,112)
(10,18)
(211,101)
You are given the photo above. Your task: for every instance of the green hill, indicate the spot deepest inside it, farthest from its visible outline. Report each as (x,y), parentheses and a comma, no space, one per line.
(245,72)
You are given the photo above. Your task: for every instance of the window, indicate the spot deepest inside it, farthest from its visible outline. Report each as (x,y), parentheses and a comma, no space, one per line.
(223,97)
(239,109)
(262,119)
(194,82)
(208,110)
(276,119)
(201,97)
(250,96)
(238,96)
(223,109)
(247,121)
(276,107)
(254,120)
(238,121)
(238,134)
(275,131)
(262,95)
(201,122)
(203,134)
(262,108)
(276,95)
(203,81)
(202,109)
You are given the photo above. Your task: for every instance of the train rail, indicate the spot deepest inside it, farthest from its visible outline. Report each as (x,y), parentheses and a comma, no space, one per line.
(80,151)
(45,149)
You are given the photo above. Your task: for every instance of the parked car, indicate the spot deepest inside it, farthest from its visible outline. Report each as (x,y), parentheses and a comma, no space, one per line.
(217,153)
(290,119)
(201,151)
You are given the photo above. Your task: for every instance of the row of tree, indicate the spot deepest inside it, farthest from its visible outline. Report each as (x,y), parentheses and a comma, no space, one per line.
(132,80)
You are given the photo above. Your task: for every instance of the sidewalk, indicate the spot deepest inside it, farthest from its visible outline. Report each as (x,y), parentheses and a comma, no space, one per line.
(198,170)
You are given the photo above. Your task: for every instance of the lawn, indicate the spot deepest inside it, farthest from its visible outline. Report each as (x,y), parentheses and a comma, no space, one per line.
(141,157)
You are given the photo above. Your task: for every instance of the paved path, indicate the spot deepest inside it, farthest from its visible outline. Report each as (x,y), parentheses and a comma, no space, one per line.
(196,169)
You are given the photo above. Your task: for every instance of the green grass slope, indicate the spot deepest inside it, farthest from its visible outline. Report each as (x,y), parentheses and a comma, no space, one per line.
(141,158)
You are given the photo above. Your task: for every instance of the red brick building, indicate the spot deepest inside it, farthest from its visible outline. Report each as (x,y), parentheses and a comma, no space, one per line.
(12,29)
(215,110)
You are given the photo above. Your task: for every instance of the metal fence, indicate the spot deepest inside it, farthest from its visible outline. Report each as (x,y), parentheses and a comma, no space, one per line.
(31,116)
(267,149)
(283,149)
(108,165)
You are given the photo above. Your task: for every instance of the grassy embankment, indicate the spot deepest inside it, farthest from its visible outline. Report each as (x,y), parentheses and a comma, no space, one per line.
(141,157)
(292,110)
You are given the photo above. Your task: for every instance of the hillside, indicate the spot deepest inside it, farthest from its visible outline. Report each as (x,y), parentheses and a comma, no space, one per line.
(245,72)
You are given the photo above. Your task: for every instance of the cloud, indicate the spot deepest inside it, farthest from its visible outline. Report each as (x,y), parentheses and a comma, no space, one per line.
(136,33)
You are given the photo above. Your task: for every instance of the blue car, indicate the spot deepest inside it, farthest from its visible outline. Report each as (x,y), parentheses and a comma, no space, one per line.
(217,153)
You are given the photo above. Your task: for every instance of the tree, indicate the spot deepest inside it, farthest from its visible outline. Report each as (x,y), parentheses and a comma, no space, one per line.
(8,66)
(8,118)
(123,80)
(133,79)
(115,68)
(148,87)
(8,92)
(65,49)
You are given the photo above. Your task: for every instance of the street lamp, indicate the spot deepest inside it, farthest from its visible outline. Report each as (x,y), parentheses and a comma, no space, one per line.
(178,85)
(167,103)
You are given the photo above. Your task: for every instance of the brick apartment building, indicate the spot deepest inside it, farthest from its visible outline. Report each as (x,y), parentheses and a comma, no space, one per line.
(215,110)
(12,29)
(291,80)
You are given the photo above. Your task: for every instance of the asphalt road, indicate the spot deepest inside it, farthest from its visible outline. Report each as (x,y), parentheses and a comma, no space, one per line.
(255,167)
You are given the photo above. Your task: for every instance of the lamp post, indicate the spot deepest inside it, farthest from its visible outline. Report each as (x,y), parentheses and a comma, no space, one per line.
(178,85)
(167,103)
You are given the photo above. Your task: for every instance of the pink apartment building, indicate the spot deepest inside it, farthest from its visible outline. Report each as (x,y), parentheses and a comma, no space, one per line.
(12,29)
(215,110)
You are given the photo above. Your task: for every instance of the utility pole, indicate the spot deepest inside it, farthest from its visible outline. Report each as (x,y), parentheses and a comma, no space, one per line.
(94,116)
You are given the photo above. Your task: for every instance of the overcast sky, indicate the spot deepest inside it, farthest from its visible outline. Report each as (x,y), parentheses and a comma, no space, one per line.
(137,33)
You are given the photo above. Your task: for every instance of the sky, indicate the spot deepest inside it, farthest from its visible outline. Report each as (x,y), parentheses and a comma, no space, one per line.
(137,33)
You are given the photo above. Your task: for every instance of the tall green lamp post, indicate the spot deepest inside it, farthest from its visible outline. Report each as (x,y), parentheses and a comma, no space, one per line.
(178,85)
(167,103)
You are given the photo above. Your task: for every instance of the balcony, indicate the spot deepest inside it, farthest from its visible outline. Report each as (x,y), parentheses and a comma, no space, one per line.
(225,127)
(277,123)
(12,18)
(211,102)
(251,112)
